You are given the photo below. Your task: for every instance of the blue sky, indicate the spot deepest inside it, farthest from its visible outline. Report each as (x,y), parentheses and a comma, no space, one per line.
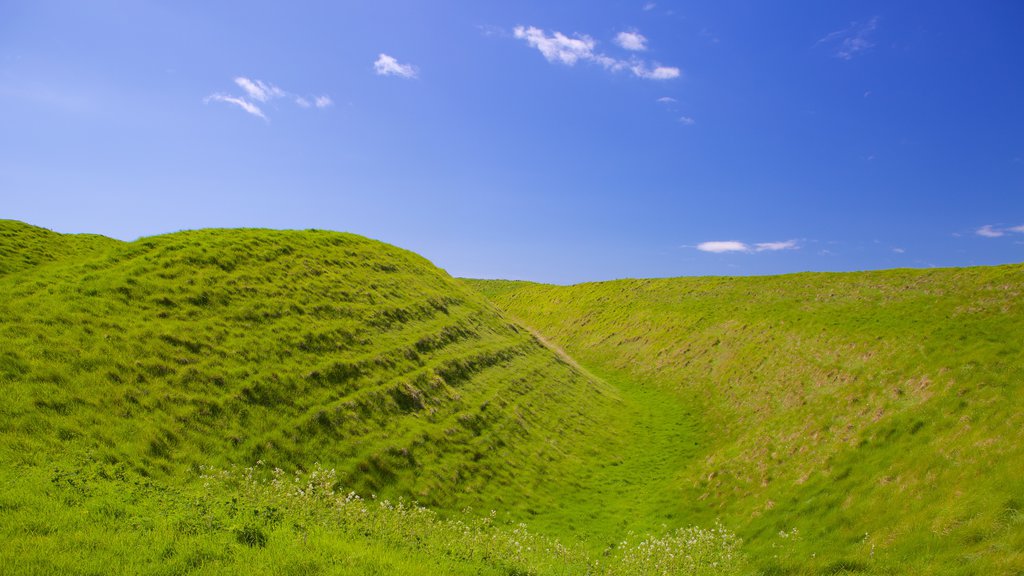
(558,142)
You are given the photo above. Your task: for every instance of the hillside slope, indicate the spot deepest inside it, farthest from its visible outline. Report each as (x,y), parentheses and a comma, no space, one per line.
(24,246)
(860,422)
(221,347)
(137,368)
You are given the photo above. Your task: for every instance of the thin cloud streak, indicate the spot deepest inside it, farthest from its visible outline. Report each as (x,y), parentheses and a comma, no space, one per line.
(721,246)
(725,246)
(558,48)
(852,40)
(260,91)
(988,231)
(991,231)
(240,102)
(773,246)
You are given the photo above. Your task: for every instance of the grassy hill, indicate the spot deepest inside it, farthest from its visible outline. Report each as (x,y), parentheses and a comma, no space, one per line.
(259,401)
(153,394)
(24,246)
(861,422)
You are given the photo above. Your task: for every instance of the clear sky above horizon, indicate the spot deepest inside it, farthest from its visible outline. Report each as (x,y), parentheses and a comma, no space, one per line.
(557,142)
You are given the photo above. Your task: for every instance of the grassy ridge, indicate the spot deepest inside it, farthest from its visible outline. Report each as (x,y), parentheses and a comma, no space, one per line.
(866,422)
(224,347)
(23,246)
(152,360)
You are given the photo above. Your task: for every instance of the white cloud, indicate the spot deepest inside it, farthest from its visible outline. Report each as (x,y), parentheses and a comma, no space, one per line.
(721,246)
(634,41)
(561,49)
(389,66)
(657,73)
(650,6)
(259,90)
(772,246)
(666,100)
(899,250)
(687,121)
(558,47)
(853,39)
(988,231)
(240,102)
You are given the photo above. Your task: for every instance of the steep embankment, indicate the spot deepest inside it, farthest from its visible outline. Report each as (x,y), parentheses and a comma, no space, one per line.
(220,347)
(864,421)
(160,358)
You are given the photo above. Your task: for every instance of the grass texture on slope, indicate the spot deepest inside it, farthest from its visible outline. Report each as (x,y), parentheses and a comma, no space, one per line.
(23,246)
(855,422)
(129,370)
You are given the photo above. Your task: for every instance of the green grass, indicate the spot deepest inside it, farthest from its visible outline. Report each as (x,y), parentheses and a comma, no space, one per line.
(129,371)
(876,414)
(23,246)
(837,423)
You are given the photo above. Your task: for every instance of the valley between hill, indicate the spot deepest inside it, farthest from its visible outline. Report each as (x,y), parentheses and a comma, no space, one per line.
(861,422)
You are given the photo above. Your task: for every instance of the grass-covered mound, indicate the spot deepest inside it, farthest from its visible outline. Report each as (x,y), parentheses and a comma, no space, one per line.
(221,347)
(861,422)
(128,371)
(24,246)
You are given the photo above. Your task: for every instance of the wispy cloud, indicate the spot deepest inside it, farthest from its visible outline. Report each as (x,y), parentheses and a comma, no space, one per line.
(720,246)
(559,48)
(259,90)
(723,246)
(773,246)
(323,101)
(852,40)
(650,6)
(666,100)
(240,102)
(899,250)
(388,66)
(492,30)
(993,231)
(687,121)
(642,70)
(988,231)
(633,40)
(263,92)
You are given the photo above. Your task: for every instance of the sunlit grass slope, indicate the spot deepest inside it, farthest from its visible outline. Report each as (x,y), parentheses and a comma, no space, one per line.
(861,421)
(129,371)
(23,246)
(227,346)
